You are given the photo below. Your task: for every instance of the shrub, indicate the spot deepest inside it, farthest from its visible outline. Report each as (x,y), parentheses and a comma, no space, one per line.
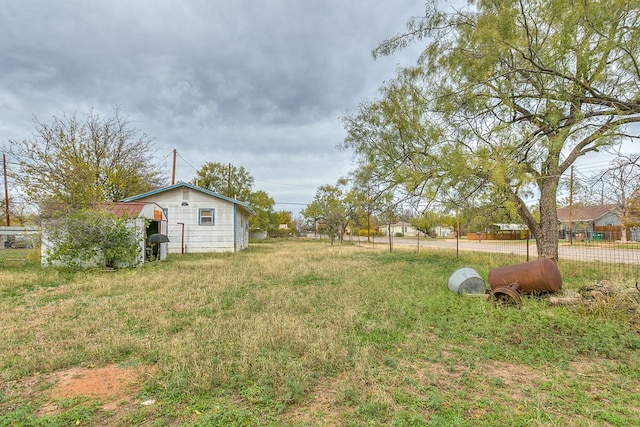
(89,238)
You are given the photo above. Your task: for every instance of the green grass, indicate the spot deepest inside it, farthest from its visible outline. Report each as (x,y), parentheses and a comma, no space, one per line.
(303,333)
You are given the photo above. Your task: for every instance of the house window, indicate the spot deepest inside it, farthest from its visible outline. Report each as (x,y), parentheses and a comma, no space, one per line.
(206,216)
(185,194)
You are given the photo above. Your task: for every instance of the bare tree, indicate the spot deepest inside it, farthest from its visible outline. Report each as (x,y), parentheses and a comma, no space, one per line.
(72,162)
(621,185)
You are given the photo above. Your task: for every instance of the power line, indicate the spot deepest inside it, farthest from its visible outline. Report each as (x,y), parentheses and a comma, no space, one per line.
(188,164)
(291,203)
(289,185)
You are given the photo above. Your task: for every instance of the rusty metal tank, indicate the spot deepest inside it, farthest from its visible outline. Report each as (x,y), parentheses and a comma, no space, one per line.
(535,276)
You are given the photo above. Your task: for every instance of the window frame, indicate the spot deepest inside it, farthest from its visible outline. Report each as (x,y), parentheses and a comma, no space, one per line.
(212,216)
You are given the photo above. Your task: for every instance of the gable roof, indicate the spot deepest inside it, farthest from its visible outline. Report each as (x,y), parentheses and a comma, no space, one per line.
(190,186)
(585,213)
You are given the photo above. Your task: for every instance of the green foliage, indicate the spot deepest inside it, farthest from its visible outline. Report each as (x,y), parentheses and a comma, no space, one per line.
(93,236)
(281,224)
(262,204)
(428,221)
(329,211)
(225,179)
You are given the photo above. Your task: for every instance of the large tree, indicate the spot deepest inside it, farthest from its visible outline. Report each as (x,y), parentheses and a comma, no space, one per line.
(75,161)
(506,96)
(225,179)
(329,211)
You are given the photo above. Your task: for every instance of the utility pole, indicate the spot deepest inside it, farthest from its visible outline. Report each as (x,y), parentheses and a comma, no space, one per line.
(229,182)
(571,206)
(173,169)
(6,190)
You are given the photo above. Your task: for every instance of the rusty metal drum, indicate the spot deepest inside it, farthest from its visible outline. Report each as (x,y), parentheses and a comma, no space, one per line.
(535,276)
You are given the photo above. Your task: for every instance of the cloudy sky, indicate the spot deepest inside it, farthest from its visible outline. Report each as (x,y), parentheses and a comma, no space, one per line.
(259,84)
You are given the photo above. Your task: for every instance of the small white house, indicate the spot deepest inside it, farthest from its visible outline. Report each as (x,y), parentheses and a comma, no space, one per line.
(200,220)
(402,227)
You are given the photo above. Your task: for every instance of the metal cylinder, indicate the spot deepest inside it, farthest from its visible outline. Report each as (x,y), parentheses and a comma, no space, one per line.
(535,276)
(466,281)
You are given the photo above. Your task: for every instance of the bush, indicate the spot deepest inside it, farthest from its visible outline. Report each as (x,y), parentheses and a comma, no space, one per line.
(88,238)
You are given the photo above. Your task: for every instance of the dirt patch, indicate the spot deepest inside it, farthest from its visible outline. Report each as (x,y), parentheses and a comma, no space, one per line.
(111,385)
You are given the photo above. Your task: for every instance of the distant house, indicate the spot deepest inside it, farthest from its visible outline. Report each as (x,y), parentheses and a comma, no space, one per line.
(143,219)
(605,219)
(402,227)
(200,220)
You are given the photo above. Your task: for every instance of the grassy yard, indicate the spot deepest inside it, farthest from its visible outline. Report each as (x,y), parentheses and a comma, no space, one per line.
(301,333)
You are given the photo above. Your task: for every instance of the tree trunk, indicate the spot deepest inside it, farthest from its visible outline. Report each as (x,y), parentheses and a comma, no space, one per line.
(546,231)
(547,240)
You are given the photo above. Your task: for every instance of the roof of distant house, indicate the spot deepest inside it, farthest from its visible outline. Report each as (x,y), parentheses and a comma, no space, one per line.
(585,213)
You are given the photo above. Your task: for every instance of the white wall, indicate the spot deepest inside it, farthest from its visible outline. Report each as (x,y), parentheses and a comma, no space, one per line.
(608,219)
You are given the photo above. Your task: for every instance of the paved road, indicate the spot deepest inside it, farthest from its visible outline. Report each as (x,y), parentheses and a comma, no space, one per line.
(579,252)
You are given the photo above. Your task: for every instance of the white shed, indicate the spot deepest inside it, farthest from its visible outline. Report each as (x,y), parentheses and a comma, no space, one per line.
(143,219)
(200,220)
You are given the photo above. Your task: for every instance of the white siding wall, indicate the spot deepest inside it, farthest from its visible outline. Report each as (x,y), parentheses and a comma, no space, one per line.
(242,231)
(608,219)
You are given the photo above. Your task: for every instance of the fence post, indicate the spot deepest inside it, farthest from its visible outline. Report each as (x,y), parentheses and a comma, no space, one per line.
(527,233)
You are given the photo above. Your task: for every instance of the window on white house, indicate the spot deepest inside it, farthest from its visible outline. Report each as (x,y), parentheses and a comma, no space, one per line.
(207,216)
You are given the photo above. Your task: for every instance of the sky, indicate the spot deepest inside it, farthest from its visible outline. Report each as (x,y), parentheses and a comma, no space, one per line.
(258,84)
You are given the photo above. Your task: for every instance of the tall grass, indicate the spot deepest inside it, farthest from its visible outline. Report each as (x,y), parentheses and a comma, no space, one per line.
(304,333)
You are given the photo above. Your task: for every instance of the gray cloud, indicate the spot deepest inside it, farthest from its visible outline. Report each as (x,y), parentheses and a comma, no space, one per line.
(257,84)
